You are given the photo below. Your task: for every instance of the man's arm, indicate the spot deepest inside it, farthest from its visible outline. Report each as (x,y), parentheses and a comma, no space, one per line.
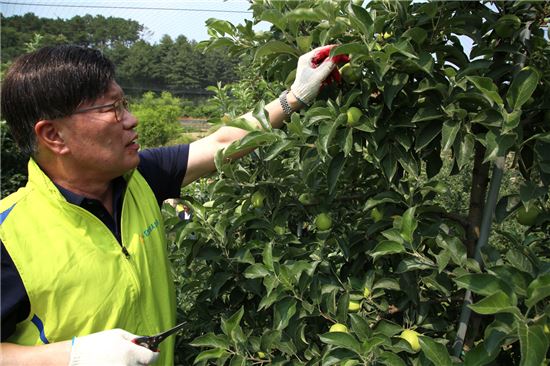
(202,152)
(313,68)
(48,354)
(109,347)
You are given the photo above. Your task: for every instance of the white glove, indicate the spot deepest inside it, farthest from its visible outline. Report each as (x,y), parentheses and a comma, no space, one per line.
(313,68)
(110,347)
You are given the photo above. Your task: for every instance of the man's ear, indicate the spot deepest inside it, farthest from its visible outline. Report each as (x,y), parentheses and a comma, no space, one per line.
(48,135)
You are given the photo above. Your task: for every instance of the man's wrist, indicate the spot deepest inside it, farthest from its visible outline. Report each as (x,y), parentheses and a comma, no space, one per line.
(295,103)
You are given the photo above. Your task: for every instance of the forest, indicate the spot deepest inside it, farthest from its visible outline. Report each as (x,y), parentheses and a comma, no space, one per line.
(173,65)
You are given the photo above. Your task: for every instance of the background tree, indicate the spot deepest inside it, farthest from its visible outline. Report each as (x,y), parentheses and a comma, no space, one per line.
(158,117)
(175,66)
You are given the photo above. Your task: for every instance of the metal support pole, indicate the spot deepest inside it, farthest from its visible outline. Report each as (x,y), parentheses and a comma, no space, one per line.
(488,212)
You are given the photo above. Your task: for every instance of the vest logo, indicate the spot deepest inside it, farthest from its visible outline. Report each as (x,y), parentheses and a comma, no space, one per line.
(147,232)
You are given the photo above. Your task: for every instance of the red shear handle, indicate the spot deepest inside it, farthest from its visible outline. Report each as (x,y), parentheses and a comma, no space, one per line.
(147,342)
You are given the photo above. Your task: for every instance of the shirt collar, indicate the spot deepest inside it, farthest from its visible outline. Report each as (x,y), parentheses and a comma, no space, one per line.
(119,184)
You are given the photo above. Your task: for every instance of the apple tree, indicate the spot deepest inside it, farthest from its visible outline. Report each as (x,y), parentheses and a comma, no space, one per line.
(403,218)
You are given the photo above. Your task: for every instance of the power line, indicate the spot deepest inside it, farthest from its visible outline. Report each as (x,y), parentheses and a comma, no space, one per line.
(125,7)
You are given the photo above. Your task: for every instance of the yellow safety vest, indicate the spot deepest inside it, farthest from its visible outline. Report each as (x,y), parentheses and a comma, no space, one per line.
(76,276)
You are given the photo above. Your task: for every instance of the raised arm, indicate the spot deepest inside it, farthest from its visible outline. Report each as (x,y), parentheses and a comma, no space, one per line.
(313,68)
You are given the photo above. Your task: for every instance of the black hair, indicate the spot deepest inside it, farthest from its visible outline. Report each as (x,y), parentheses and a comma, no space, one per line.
(51,83)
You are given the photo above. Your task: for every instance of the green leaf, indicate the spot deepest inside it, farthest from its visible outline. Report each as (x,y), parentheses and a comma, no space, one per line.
(273,48)
(361,20)
(531,191)
(356,49)
(522,87)
(221,26)
(282,312)
(402,47)
(340,339)
(262,116)
(229,325)
(256,271)
(442,259)
(209,354)
(497,145)
(487,88)
(243,124)
(389,164)
(384,197)
(480,283)
(429,132)
(267,256)
(211,340)
(417,34)
(274,150)
(274,17)
(304,15)
(412,264)
(448,134)
(328,129)
(393,87)
(387,328)
(408,224)
(465,153)
(538,290)
(237,360)
(455,247)
(511,120)
(252,140)
(348,146)
(391,359)
(534,344)
(435,352)
(427,114)
(498,302)
(386,247)
(479,356)
(334,170)
(360,326)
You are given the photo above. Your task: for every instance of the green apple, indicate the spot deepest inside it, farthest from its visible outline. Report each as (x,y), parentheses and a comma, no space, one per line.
(527,215)
(354,115)
(323,221)
(306,199)
(411,336)
(366,292)
(354,306)
(261,354)
(280,230)
(350,73)
(338,327)
(258,199)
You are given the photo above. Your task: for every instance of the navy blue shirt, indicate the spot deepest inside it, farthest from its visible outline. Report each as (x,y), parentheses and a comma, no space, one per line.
(163,168)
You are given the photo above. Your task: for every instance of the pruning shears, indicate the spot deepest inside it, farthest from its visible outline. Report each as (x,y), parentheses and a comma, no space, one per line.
(152,342)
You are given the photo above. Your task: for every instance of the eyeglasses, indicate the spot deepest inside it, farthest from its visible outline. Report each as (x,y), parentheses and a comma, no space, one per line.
(119,106)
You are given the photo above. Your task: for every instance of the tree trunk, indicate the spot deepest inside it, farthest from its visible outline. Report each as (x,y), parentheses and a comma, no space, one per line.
(480,181)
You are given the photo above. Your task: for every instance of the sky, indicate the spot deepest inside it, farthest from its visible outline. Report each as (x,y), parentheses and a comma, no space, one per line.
(160,17)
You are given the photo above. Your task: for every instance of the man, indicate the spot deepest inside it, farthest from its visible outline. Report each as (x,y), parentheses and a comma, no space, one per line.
(84,258)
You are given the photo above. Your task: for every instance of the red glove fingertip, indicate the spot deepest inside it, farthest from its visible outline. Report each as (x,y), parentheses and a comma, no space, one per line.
(320,56)
(340,59)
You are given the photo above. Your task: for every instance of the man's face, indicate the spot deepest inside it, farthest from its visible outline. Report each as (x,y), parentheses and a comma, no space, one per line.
(101,142)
